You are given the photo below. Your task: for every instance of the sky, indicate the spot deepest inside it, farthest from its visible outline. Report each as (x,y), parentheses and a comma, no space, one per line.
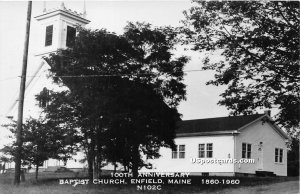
(112,15)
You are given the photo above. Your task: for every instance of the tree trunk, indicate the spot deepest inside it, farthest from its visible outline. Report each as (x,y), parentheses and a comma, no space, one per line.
(135,160)
(91,158)
(3,168)
(36,172)
(22,175)
(90,167)
(95,172)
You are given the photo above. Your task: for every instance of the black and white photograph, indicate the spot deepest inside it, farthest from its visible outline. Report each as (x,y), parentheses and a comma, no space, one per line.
(140,96)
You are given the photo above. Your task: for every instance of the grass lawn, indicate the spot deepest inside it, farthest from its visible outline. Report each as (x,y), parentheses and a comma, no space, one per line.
(48,183)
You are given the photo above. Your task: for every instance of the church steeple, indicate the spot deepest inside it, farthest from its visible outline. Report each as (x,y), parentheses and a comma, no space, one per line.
(58,28)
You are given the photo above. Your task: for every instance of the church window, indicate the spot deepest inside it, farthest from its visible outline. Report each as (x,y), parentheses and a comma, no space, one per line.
(49,34)
(71,33)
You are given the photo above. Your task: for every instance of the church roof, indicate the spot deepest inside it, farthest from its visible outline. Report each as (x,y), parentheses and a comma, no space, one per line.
(218,125)
(65,12)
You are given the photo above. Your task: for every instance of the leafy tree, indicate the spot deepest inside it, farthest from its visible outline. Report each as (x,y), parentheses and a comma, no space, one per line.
(9,150)
(41,141)
(36,145)
(141,125)
(258,43)
(60,122)
(102,69)
(65,113)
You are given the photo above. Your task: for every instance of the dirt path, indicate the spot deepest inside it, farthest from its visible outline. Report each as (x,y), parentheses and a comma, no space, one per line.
(289,187)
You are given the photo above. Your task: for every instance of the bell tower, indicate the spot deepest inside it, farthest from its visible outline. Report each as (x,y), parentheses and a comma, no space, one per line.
(58,28)
(57,31)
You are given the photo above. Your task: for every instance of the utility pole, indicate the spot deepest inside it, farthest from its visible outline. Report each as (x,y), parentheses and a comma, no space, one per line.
(21,99)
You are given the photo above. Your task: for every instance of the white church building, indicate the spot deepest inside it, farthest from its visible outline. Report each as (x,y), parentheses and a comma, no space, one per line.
(209,146)
(237,137)
(57,30)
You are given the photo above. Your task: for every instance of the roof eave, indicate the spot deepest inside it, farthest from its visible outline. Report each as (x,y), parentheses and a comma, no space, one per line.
(207,133)
(63,12)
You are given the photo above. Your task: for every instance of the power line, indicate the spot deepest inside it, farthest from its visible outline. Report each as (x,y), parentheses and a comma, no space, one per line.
(104,75)
(9,78)
(195,70)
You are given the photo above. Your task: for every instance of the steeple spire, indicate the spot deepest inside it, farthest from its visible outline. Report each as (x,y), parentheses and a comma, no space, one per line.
(44,5)
(62,6)
(84,9)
